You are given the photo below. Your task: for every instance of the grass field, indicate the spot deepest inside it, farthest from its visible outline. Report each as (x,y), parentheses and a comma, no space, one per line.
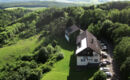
(66,68)
(9,53)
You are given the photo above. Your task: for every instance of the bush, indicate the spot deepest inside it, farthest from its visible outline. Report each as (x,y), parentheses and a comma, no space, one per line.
(54,43)
(59,56)
(100,75)
(22,70)
(42,55)
(57,49)
(50,49)
(46,41)
(27,57)
(45,68)
(35,74)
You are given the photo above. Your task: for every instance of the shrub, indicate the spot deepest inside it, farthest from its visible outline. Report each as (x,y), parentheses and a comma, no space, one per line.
(35,74)
(47,41)
(21,70)
(33,64)
(45,33)
(54,43)
(27,57)
(51,61)
(50,49)
(100,75)
(59,56)
(42,55)
(57,49)
(45,68)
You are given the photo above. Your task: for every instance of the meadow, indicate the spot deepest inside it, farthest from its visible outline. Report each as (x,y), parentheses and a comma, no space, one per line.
(28,8)
(10,53)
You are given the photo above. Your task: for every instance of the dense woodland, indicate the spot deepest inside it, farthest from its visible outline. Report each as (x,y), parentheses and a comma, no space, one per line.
(104,21)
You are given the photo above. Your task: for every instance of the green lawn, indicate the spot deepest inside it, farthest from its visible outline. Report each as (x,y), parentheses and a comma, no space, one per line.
(66,68)
(9,53)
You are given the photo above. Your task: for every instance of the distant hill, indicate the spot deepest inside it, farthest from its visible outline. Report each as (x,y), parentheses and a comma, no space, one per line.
(37,4)
(68,1)
(17,0)
(50,3)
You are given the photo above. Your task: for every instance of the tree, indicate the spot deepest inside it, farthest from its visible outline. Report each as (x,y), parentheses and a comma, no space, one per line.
(121,30)
(125,69)
(92,16)
(95,29)
(106,29)
(100,75)
(42,55)
(122,50)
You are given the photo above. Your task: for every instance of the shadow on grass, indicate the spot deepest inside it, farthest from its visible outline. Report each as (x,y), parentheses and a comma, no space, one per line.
(64,44)
(79,74)
(75,74)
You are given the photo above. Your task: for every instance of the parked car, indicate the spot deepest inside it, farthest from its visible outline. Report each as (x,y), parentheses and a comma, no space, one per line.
(104,54)
(104,48)
(107,61)
(105,69)
(109,74)
(103,64)
(102,44)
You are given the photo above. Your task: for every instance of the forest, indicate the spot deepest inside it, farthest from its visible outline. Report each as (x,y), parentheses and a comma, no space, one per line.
(110,21)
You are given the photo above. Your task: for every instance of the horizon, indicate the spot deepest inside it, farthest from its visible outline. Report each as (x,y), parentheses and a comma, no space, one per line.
(66,1)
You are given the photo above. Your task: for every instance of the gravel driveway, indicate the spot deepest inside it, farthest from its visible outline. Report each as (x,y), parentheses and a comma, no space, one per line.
(114,69)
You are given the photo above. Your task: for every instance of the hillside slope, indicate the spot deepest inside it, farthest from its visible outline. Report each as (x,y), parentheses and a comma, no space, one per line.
(24,58)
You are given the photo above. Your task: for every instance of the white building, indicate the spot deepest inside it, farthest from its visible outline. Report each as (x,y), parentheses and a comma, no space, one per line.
(88,49)
(71,33)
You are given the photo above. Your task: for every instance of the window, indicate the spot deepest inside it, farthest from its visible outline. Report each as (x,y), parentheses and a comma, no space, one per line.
(90,59)
(83,59)
(96,54)
(95,60)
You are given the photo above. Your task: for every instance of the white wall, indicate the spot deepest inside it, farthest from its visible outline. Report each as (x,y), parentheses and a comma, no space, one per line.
(79,62)
(67,38)
(88,59)
(92,59)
